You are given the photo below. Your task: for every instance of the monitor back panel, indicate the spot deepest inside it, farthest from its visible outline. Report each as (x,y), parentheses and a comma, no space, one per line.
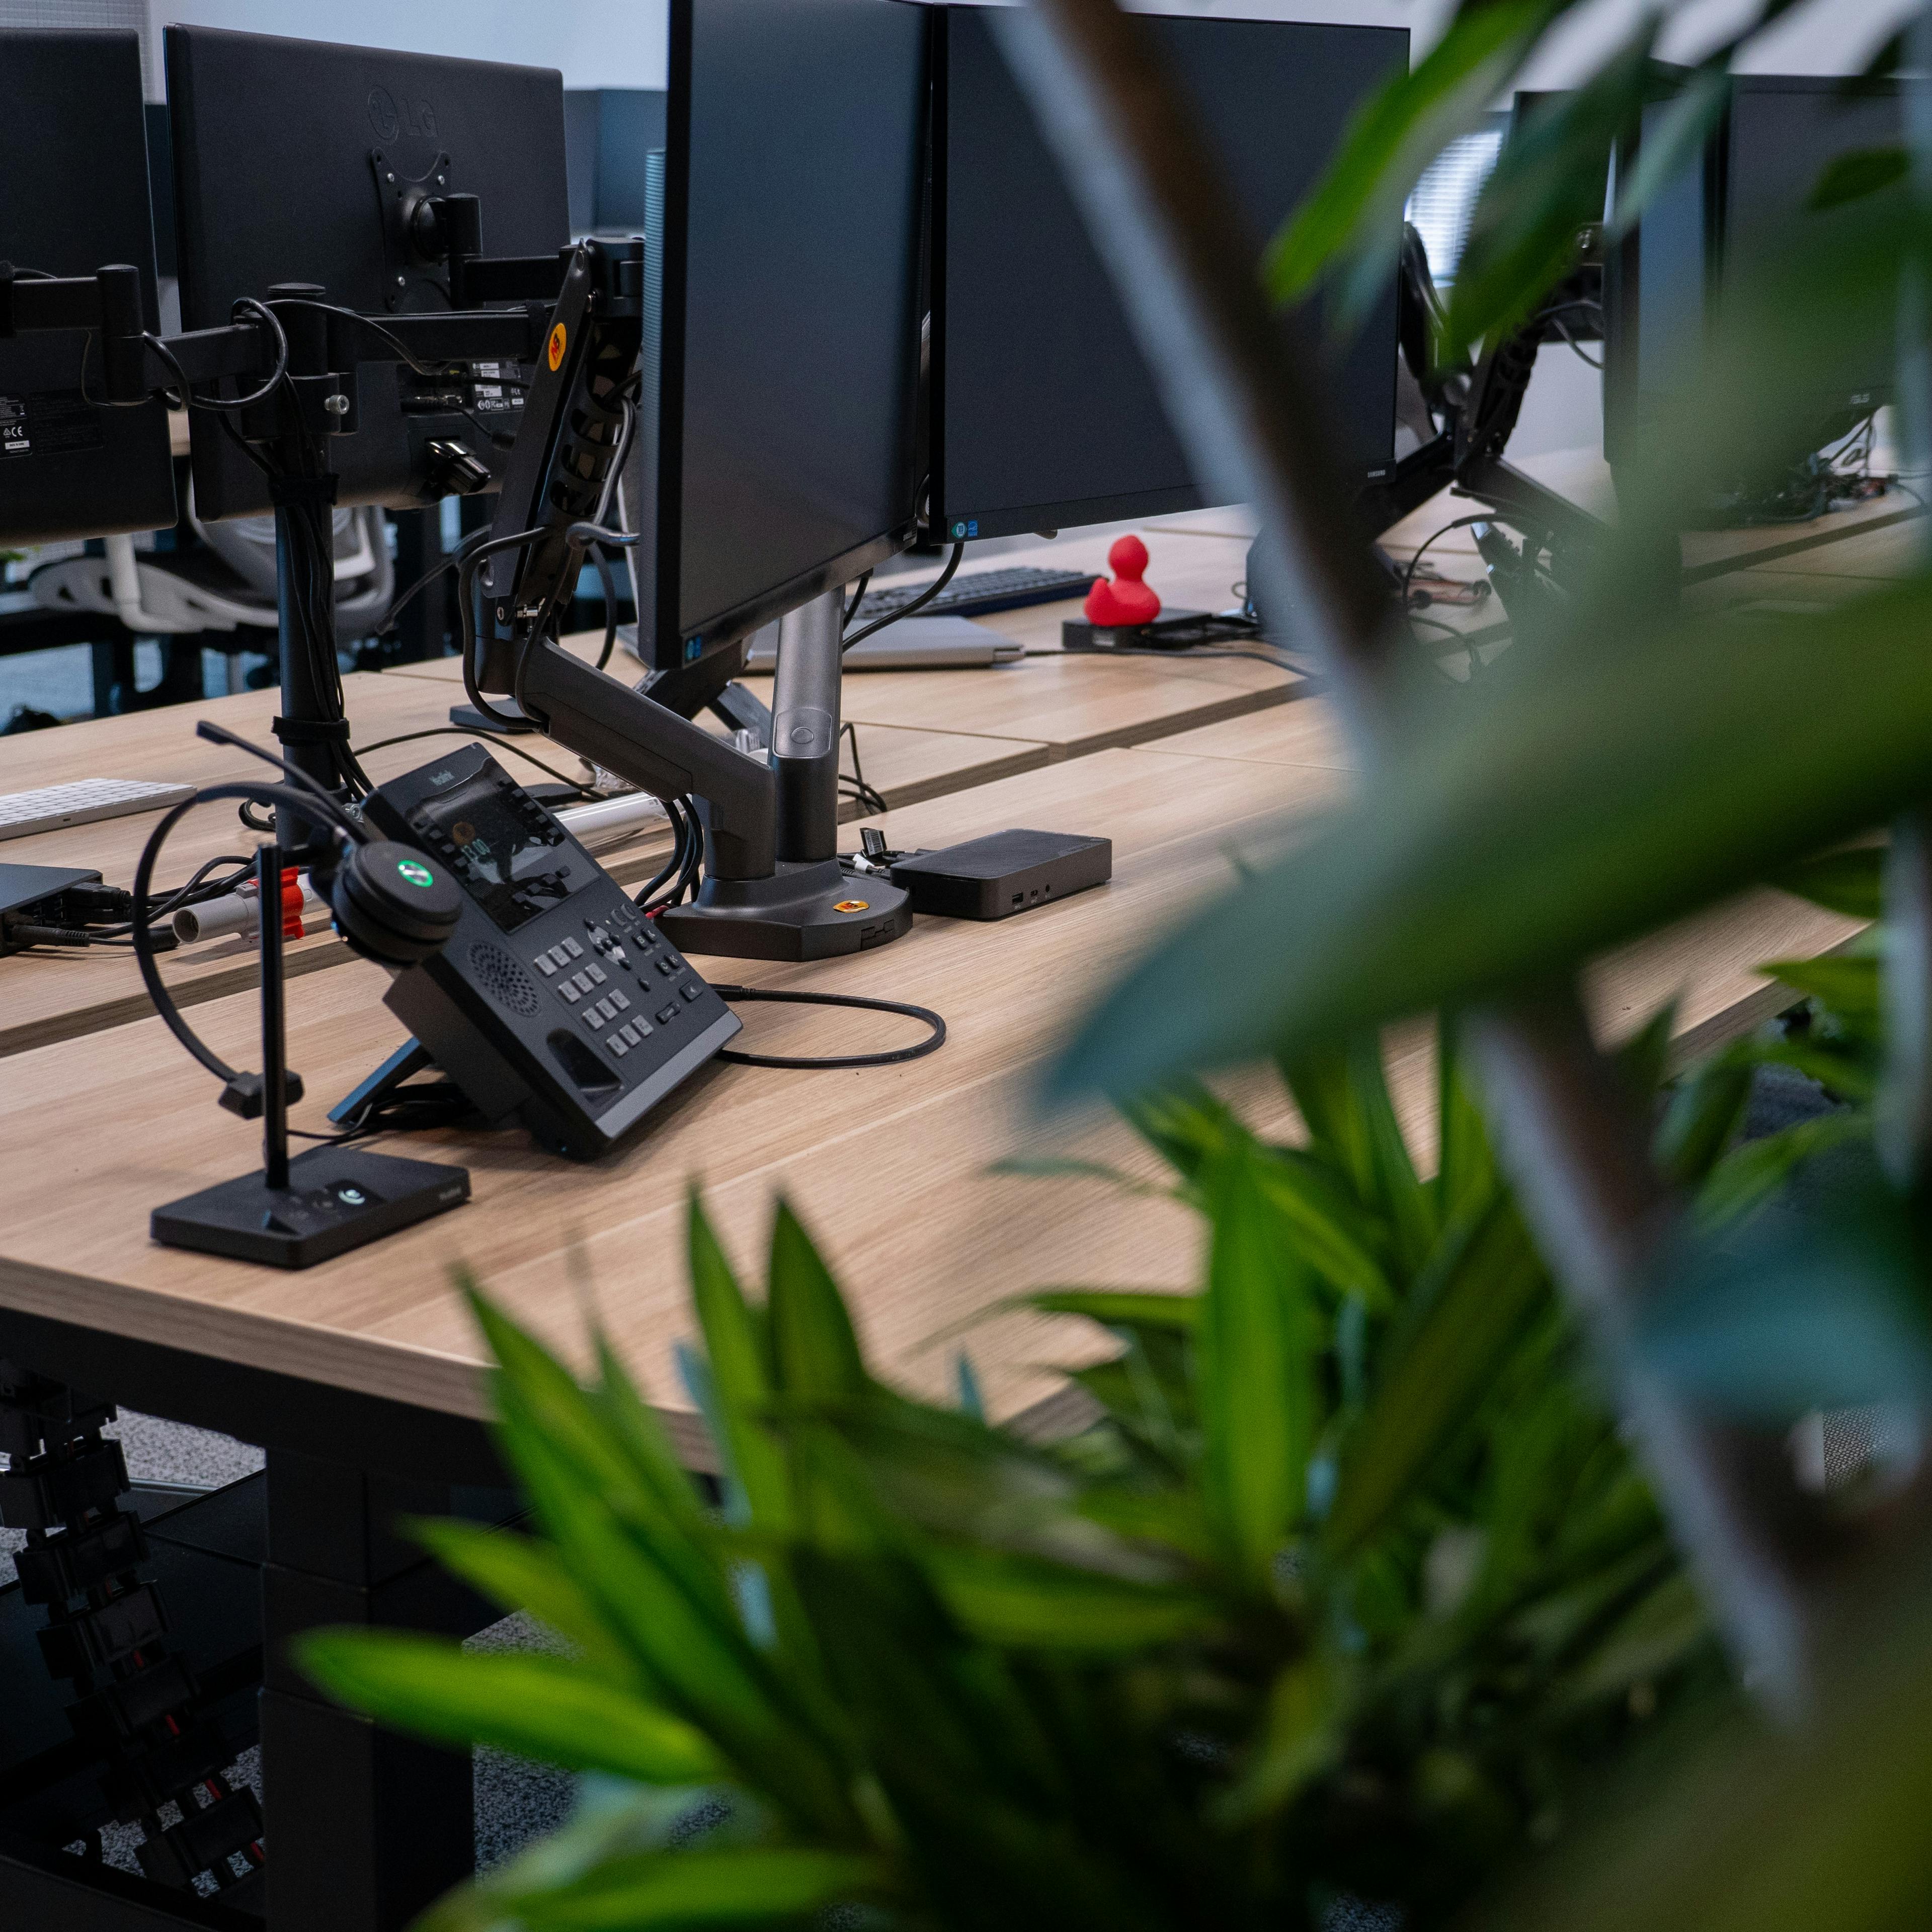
(284,154)
(1727,217)
(73,198)
(1783,134)
(788,382)
(1044,412)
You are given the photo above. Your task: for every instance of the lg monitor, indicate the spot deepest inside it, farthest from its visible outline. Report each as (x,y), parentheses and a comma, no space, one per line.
(297,161)
(774,458)
(1734,210)
(1043,412)
(73,198)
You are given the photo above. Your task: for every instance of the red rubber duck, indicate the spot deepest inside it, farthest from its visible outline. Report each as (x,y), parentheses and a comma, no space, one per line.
(1126,600)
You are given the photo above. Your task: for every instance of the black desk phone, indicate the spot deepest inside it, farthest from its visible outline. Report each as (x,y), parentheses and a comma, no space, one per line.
(555,1001)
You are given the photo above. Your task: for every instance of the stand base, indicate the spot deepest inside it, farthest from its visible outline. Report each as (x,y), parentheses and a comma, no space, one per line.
(471,719)
(337,1198)
(809,911)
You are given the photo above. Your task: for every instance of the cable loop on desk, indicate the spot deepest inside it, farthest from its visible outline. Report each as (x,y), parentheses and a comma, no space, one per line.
(731,994)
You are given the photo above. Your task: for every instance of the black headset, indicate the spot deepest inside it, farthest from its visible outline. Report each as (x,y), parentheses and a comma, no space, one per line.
(390,902)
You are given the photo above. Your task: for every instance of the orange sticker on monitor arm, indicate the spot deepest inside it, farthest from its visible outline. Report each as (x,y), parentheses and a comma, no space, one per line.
(557,339)
(854,905)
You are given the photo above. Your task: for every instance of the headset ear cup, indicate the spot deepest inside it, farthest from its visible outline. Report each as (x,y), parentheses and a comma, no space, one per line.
(393,905)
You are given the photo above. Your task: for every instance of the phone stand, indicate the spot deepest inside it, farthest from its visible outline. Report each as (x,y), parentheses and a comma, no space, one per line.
(295,1213)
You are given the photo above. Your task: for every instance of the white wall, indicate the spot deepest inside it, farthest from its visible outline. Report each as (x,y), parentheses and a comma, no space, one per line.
(621,43)
(1819,37)
(595,43)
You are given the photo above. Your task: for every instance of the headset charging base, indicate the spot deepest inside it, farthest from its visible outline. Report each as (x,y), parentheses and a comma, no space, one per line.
(295,1212)
(336,1198)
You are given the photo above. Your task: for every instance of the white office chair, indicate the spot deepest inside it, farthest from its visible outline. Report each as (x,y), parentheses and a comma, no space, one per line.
(228,586)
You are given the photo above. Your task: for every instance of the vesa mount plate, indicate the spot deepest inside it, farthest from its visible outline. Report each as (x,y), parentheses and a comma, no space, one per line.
(556,1001)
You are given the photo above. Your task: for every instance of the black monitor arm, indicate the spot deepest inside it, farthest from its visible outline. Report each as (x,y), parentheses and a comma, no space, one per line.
(572,438)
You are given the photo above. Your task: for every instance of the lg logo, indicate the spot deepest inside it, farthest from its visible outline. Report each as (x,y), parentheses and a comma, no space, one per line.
(388,120)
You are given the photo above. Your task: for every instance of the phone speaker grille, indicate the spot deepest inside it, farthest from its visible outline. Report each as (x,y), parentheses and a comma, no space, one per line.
(496,972)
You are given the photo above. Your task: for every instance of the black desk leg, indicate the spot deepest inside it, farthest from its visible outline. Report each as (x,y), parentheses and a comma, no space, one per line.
(365,1828)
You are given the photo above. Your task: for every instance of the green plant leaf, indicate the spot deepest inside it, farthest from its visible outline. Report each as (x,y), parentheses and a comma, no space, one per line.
(1865,171)
(1547,185)
(814,1350)
(1254,1376)
(1751,1174)
(1343,1095)
(551,1708)
(1802,1309)
(1022,1602)
(1588,800)
(737,1352)
(1701,1117)
(1353,214)
(1675,144)
(1465,1165)
(1303,1734)
(1847,987)
(743,1886)
(533,1385)
(1492,1285)
(1850,881)
(1118,1307)
(522,1572)
(695,1646)
(1667,1627)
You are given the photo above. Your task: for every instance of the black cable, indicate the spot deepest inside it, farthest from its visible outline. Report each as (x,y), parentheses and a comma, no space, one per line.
(1576,347)
(835,1061)
(609,584)
(467,566)
(461,731)
(853,602)
(917,605)
(375,328)
(872,801)
(428,577)
(674,812)
(288,797)
(1460,523)
(198,890)
(190,401)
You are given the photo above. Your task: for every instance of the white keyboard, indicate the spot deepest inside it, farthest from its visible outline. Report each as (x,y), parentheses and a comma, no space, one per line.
(53,806)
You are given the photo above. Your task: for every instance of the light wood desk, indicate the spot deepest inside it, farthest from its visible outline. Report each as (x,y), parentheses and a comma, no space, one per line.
(890,1166)
(48,996)
(1584,477)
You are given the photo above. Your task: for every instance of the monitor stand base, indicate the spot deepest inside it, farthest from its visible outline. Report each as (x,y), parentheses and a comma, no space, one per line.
(809,911)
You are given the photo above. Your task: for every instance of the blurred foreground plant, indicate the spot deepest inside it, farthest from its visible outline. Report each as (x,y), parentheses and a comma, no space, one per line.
(1346,1585)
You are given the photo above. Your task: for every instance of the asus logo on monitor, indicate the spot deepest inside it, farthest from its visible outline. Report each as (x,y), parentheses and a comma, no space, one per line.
(416,117)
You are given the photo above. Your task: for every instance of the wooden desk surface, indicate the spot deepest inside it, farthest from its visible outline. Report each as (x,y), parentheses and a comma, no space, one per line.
(1583,477)
(48,996)
(891,1167)
(1189,571)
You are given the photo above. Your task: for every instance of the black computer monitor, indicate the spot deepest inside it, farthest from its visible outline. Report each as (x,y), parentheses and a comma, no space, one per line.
(297,161)
(1733,212)
(1043,413)
(73,198)
(775,458)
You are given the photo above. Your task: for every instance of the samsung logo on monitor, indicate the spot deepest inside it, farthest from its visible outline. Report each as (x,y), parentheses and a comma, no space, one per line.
(412,117)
